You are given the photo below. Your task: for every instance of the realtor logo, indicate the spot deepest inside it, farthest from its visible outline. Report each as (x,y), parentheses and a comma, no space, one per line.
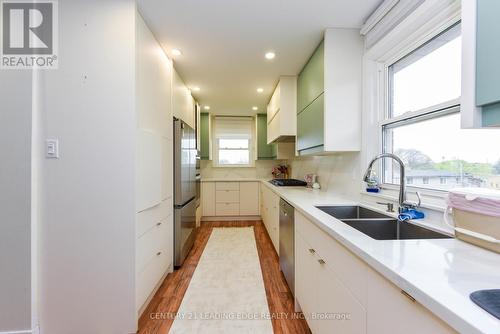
(29,34)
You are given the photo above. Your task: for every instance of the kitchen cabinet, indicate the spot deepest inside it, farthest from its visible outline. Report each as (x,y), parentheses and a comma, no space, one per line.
(208,198)
(321,294)
(480,99)
(249,198)
(329,93)
(270,214)
(182,101)
(230,199)
(281,111)
(310,133)
(311,79)
(330,279)
(205,137)
(265,151)
(275,151)
(412,317)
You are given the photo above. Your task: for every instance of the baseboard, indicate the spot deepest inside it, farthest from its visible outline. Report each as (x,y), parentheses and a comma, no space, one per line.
(153,293)
(28,331)
(230,218)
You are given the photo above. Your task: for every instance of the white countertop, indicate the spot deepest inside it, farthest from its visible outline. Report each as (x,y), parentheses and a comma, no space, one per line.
(440,274)
(231,179)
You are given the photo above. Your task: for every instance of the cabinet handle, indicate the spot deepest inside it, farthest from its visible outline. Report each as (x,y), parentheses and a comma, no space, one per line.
(158,224)
(407,295)
(158,254)
(312,251)
(321,261)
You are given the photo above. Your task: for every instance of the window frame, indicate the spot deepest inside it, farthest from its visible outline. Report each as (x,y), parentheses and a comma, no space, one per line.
(251,146)
(416,31)
(218,149)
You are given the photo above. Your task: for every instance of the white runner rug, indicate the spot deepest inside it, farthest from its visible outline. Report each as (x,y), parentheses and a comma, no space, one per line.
(226,293)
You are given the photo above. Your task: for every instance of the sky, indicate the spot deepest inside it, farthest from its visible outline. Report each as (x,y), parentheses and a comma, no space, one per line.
(432,80)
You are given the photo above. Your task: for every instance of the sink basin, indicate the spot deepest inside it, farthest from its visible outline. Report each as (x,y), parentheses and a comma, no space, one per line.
(391,229)
(379,226)
(351,212)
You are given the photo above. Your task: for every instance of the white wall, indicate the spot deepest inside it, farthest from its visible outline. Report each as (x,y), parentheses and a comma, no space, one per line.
(87,236)
(15,201)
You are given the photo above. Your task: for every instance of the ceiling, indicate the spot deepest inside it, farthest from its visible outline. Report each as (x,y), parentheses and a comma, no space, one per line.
(223,42)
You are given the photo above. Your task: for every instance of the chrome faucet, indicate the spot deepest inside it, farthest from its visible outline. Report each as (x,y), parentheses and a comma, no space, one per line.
(403,202)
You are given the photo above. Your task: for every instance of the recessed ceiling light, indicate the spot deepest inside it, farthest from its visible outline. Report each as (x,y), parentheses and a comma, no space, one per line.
(260,90)
(270,55)
(195,89)
(176,52)
(255,108)
(206,107)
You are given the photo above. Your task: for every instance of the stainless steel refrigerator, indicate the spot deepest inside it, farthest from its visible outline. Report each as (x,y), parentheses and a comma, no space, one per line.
(184,190)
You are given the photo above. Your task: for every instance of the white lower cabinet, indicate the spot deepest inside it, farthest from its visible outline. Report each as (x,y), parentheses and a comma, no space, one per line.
(154,231)
(271,215)
(249,198)
(390,311)
(328,305)
(230,199)
(332,282)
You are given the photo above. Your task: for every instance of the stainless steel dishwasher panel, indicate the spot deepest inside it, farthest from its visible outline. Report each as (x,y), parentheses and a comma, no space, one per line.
(287,242)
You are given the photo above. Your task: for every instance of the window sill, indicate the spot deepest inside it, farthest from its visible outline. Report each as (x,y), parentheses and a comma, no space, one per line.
(429,201)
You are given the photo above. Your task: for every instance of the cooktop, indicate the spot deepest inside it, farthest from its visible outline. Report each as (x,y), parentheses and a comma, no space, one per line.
(288,183)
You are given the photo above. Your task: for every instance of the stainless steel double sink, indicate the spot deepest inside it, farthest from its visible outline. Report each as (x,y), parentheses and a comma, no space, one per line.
(379,226)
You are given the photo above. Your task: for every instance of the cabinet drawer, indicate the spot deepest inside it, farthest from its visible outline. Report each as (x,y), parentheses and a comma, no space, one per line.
(150,277)
(227,186)
(227,209)
(348,267)
(227,196)
(152,242)
(148,218)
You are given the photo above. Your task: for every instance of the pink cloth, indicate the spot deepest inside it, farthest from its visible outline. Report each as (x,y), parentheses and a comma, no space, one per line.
(484,206)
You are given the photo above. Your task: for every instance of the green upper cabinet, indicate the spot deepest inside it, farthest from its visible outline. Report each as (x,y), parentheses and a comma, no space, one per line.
(264,151)
(310,134)
(329,95)
(480,98)
(205,136)
(488,61)
(310,83)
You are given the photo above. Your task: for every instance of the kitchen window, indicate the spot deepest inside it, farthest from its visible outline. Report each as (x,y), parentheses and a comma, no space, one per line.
(422,122)
(233,141)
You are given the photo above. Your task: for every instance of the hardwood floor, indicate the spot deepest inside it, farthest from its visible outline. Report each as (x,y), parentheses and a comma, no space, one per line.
(158,317)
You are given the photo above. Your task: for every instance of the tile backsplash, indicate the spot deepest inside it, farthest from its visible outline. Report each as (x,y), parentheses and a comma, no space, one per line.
(262,170)
(339,173)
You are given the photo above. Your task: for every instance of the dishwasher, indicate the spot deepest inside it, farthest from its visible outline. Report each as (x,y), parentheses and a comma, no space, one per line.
(287,243)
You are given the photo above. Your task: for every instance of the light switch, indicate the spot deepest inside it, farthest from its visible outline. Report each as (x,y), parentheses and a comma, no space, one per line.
(52,148)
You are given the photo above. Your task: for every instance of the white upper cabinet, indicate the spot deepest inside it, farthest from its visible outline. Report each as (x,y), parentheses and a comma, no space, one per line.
(282,110)
(183,102)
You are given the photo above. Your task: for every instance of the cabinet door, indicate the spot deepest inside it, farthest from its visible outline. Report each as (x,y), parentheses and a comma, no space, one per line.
(208,198)
(305,280)
(385,300)
(487,65)
(311,81)
(310,127)
(205,136)
(264,151)
(249,198)
(338,310)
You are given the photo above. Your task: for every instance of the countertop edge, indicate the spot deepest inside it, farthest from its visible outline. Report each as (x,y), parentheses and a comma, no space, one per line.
(442,311)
